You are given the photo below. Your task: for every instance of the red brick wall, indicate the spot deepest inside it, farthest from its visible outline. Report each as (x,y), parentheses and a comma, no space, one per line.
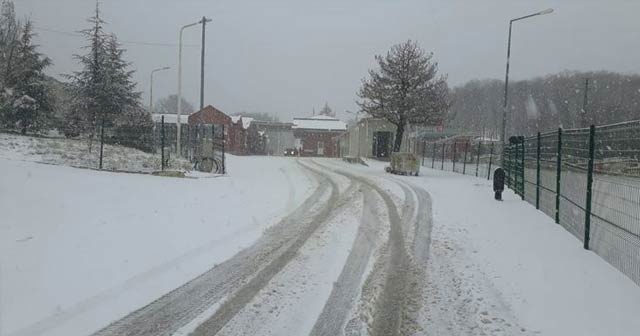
(310,140)
(237,139)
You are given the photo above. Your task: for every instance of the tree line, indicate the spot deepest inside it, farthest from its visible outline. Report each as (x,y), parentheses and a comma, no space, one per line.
(546,103)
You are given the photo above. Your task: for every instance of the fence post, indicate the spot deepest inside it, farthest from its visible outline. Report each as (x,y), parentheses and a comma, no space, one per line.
(515,171)
(491,160)
(101,141)
(424,151)
(508,165)
(558,174)
(213,142)
(433,160)
(464,163)
(455,154)
(162,143)
(478,158)
(444,145)
(522,157)
(224,161)
(587,215)
(538,174)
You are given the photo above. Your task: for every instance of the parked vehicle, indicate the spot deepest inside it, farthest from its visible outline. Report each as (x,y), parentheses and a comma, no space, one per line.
(290,152)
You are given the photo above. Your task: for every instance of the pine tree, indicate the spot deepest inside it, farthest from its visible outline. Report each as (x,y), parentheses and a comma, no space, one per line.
(32,104)
(104,88)
(9,33)
(120,85)
(89,83)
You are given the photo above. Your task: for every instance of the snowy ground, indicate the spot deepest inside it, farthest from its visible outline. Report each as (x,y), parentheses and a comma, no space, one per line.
(75,153)
(507,269)
(286,246)
(80,248)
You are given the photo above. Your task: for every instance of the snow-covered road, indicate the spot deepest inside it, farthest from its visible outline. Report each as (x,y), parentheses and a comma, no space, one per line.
(300,247)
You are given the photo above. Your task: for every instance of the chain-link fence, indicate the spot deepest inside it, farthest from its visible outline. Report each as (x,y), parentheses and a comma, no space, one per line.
(139,149)
(464,155)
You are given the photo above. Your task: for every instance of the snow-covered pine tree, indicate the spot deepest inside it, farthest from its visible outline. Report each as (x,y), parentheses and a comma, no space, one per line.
(9,28)
(31,107)
(406,89)
(89,84)
(105,89)
(120,84)
(9,33)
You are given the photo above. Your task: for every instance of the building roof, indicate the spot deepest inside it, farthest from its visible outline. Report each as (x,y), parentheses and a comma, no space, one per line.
(320,122)
(209,115)
(235,118)
(170,118)
(246,122)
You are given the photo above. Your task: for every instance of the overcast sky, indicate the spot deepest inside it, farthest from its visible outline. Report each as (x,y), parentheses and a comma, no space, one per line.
(286,57)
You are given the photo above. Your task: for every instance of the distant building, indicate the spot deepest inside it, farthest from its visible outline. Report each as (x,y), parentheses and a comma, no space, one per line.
(318,135)
(369,138)
(278,137)
(375,138)
(210,116)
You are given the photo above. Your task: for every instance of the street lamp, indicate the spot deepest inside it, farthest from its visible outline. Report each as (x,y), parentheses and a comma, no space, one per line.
(179,112)
(151,89)
(506,81)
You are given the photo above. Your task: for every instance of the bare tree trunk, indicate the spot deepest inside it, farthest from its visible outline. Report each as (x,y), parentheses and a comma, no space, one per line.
(399,135)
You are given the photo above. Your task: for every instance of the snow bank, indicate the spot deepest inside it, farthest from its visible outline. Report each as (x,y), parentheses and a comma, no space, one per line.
(504,268)
(75,153)
(522,263)
(81,248)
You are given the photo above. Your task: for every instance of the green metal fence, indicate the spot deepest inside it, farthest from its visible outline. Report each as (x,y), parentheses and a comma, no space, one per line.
(587,180)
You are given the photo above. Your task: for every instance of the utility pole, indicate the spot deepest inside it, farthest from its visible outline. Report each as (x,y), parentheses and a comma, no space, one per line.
(585,103)
(204,27)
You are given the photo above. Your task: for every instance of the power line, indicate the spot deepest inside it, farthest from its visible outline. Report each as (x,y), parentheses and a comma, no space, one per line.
(148,44)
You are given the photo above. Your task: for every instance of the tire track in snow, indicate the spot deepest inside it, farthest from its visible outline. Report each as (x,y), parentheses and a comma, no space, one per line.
(347,288)
(246,293)
(167,314)
(402,264)
(389,304)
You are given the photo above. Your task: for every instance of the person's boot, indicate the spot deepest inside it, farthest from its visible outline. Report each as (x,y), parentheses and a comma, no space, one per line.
(498,196)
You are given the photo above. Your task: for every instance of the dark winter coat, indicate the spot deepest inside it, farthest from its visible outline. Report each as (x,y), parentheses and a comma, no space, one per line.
(498,180)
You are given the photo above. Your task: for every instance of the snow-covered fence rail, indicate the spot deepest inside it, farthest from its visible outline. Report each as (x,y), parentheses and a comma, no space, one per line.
(587,179)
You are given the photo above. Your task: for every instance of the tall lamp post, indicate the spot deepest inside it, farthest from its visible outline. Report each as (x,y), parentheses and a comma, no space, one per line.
(179,112)
(506,81)
(151,89)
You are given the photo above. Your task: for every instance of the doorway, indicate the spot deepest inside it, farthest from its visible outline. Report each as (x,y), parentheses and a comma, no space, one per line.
(381,144)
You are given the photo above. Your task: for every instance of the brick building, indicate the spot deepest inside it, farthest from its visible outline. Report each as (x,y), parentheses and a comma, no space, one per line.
(318,135)
(235,127)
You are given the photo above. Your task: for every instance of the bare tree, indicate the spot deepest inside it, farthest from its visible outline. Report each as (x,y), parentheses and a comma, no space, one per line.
(327,111)
(169,105)
(406,89)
